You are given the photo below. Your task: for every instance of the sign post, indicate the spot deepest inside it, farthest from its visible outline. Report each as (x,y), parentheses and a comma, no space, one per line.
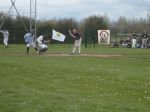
(104,36)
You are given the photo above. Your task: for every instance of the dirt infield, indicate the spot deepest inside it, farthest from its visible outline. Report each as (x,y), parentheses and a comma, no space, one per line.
(85,55)
(68,55)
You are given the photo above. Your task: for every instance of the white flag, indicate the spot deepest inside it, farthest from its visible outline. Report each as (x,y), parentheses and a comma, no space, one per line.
(58,36)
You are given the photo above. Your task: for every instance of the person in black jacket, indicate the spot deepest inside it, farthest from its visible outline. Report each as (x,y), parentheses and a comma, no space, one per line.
(75,34)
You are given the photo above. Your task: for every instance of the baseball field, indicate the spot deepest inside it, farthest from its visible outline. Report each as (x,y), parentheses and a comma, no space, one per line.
(101,79)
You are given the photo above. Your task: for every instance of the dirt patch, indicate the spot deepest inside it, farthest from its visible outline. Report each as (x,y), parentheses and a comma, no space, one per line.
(84,55)
(65,55)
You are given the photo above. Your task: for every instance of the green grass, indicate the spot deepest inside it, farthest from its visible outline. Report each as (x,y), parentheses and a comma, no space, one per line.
(74,84)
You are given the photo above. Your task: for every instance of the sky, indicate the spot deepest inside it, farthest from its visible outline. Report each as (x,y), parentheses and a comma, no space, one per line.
(80,9)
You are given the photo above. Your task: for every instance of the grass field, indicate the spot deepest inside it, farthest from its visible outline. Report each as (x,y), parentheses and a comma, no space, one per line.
(41,83)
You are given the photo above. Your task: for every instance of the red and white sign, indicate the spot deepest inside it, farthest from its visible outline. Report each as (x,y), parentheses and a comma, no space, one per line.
(104,36)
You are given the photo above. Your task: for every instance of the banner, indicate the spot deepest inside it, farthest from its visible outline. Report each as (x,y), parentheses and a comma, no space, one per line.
(58,36)
(104,36)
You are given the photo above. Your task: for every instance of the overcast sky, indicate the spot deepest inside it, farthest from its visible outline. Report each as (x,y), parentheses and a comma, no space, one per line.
(79,9)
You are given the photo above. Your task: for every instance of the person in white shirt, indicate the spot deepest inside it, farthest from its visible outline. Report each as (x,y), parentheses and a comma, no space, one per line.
(6,37)
(41,44)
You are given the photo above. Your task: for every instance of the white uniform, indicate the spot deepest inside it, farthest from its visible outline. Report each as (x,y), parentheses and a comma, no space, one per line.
(134,43)
(6,37)
(40,43)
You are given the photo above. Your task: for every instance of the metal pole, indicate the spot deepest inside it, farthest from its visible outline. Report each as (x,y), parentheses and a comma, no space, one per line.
(30,15)
(35,19)
(7,13)
(19,15)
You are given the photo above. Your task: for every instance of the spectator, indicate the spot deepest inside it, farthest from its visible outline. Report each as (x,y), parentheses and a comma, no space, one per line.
(144,40)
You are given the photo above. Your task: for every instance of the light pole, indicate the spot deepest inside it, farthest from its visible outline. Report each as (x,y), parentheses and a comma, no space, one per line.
(33,10)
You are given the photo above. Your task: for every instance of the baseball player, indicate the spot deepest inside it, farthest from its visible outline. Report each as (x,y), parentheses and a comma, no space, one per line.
(6,37)
(134,40)
(76,36)
(29,40)
(42,47)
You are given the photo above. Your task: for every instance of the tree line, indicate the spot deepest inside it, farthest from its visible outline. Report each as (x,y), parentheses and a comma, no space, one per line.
(88,27)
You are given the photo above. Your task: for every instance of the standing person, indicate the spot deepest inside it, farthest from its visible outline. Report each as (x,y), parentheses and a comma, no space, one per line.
(139,42)
(6,37)
(76,36)
(41,44)
(29,40)
(134,41)
(144,40)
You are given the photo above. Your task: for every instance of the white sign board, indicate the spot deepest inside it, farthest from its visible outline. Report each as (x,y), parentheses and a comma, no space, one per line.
(104,36)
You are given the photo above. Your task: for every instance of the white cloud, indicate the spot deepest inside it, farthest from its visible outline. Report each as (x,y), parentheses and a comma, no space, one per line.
(80,9)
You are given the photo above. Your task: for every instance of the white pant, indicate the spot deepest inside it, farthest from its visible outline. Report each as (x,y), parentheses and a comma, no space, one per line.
(31,45)
(77,46)
(133,43)
(5,41)
(42,46)
(144,43)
